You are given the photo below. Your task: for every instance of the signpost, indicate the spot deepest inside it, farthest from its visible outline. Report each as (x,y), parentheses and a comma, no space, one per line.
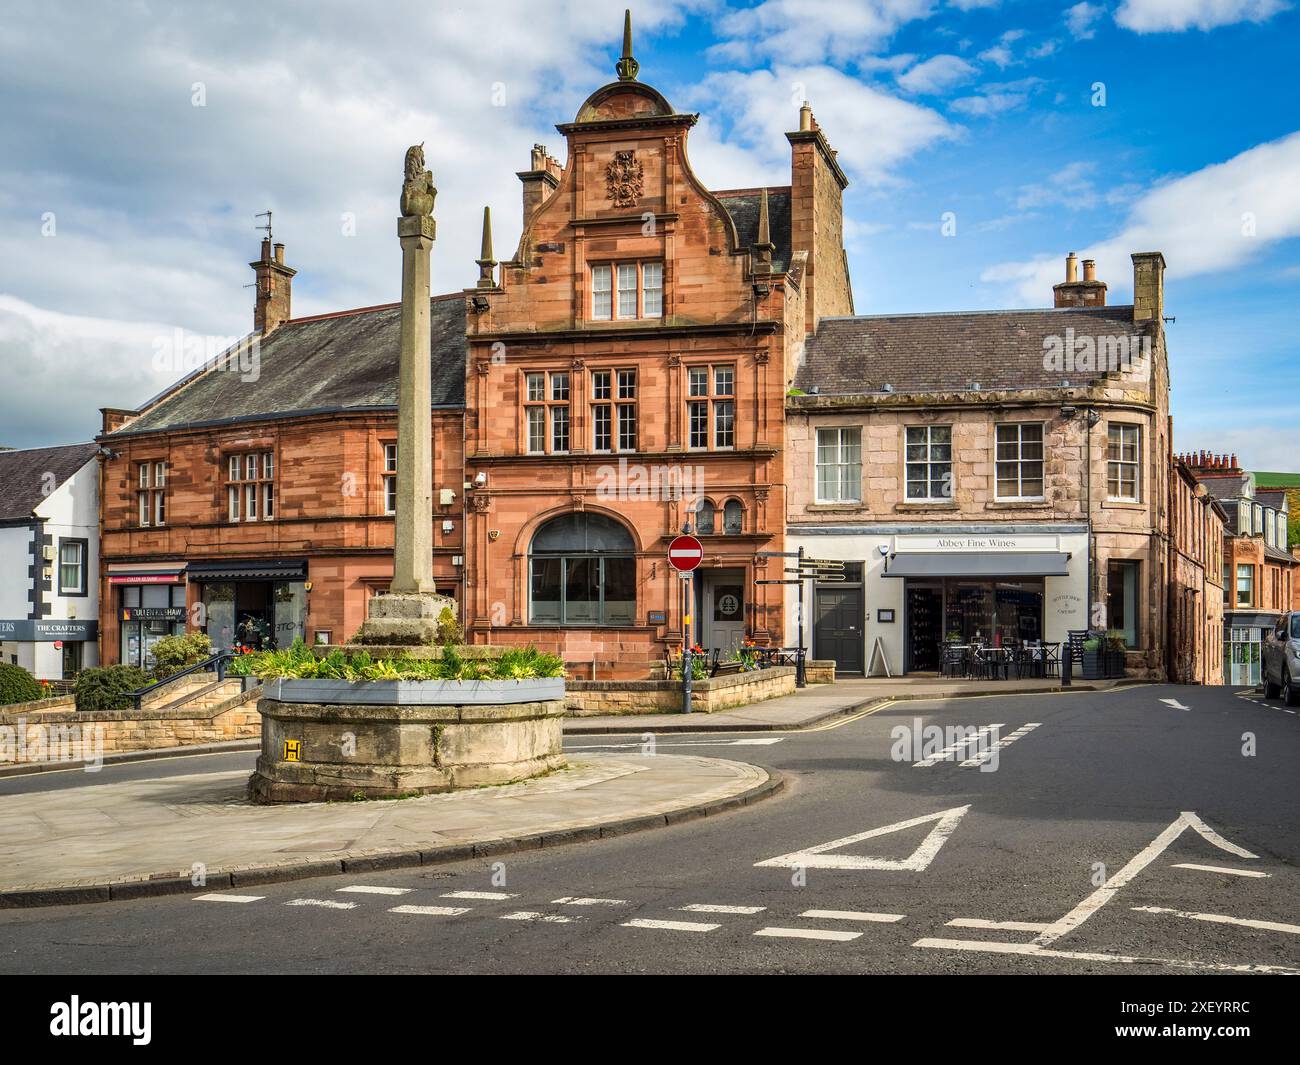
(685,553)
(820,570)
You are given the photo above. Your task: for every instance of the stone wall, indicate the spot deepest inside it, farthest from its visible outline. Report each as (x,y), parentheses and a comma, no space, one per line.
(819,670)
(592,698)
(233,717)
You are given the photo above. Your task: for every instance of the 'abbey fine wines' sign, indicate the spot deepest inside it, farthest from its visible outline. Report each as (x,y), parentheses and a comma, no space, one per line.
(991,542)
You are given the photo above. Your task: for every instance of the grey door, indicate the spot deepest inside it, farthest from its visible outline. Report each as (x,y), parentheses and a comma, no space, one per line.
(837,627)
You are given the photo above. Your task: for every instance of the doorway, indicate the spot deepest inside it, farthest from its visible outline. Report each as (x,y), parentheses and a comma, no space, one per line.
(838,626)
(722,610)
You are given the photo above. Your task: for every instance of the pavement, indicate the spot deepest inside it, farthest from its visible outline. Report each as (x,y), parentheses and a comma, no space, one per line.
(167,832)
(1149,829)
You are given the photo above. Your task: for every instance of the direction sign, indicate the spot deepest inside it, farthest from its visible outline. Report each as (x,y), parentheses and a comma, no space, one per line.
(685,553)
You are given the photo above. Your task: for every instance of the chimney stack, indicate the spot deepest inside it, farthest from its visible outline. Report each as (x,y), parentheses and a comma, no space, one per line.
(540,180)
(273,288)
(1075,293)
(817,184)
(1149,287)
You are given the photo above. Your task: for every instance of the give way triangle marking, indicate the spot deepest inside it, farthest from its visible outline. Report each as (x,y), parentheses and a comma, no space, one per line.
(819,857)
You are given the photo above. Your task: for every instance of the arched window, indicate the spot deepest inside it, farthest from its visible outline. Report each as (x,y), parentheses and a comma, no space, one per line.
(733,518)
(582,571)
(704,518)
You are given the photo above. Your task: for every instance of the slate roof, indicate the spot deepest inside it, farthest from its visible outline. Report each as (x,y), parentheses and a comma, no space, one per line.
(952,350)
(742,205)
(330,363)
(1271,497)
(23,481)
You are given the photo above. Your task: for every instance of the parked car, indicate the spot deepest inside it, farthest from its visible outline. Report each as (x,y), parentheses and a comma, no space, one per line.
(1280,660)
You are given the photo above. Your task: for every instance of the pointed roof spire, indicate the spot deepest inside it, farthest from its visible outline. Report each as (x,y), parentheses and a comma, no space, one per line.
(763,246)
(627,66)
(486,264)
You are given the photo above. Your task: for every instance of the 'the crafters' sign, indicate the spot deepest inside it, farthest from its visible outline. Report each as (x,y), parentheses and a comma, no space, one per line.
(46,631)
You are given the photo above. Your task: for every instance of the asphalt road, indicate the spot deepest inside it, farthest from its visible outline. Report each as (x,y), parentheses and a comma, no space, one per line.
(1013,856)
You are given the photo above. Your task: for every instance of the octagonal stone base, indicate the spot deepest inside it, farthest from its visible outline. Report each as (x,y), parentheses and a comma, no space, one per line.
(380,752)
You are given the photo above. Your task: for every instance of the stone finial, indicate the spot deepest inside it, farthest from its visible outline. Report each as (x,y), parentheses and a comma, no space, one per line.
(763,246)
(486,264)
(418,192)
(627,66)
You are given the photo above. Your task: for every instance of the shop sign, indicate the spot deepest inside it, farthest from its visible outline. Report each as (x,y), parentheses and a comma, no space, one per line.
(990,542)
(48,631)
(153,613)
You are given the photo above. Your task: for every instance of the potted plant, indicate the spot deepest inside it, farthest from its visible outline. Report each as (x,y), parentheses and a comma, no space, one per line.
(1113,654)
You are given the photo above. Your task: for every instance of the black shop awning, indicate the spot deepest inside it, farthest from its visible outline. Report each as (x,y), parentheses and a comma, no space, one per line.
(277,569)
(990,564)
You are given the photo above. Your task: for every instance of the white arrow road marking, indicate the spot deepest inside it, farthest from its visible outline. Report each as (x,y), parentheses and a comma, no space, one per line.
(1218,918)
(1219,869)
(1033,951)
(834,934)
(569,900)
(817,858)
(531,915)
(364,889)
(431,911)
(852,915)
(1175,704)
(671,926)
(212,897)
(1005,741)
(1136,864)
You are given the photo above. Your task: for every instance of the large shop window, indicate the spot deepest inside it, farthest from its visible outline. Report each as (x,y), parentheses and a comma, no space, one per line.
(582,571)
(1122,600)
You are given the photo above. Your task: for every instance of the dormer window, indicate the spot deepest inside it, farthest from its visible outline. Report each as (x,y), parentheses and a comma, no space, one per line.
(627,291)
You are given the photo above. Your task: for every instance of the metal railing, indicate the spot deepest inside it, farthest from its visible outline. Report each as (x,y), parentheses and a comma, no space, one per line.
(215,663)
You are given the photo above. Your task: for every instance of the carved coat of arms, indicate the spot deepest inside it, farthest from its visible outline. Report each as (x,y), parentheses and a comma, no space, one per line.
(623,179)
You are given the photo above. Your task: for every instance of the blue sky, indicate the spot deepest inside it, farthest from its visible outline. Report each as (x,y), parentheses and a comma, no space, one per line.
(983,108)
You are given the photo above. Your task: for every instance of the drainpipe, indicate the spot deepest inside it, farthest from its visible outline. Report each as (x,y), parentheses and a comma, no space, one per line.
(1091,418)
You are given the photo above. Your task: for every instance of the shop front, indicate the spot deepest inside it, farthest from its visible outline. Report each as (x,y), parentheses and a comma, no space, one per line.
(921,589)
(259,604)
(148,604)
(49,649)
(1243,640)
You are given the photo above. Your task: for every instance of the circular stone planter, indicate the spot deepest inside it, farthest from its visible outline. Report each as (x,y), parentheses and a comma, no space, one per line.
(327,739)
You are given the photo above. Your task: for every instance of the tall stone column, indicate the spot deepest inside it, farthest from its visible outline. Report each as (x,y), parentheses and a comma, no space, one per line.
(413,550)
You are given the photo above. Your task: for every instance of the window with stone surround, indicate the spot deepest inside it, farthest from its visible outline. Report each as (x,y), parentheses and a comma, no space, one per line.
(928,461)
(151,493)
(839,464)
(582,571)
(547,396)
(1124,462)
(390,478)
(250,486)
(711,407)
(1245,584)
(613,410)
(627,291)
(1019,460)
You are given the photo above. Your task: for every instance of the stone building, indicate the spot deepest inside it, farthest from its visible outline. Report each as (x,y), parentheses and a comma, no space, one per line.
(1197,527)
(985,476)
(1259,574)
(621,377)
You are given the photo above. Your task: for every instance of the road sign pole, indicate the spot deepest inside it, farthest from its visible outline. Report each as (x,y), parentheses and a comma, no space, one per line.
(687,656)
(799,676)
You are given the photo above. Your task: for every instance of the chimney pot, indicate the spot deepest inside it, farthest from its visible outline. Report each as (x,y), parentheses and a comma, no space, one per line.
(279,253)
(1071,268)
(1090,269)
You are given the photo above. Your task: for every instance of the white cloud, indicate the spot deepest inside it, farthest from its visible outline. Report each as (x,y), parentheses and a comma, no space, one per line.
(1214,220)
(1081,20)
(1174,16)
(936,74)
(1070,186)
(807,31)
(873,130)
(994,99)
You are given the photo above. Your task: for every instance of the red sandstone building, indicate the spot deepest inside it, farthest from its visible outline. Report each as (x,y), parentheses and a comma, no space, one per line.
(621,379)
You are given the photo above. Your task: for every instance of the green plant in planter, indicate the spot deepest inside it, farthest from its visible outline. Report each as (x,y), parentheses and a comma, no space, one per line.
(298,664)
(1115,641)
(449,633)
(1092,644)
(108,688)
(171,654)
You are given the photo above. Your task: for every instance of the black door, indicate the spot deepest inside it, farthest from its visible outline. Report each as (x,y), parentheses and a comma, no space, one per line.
(837,627)
(924,629)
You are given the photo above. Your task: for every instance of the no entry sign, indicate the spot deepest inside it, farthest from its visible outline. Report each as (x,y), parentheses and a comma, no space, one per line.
(685,553)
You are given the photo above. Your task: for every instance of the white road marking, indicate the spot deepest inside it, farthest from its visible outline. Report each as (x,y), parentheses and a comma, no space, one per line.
(488,896)
(1005,741)
(532,915)
(1219,918)
(949,753)
(817,858)
(213,897)
(1175,704)
(569,900)
(431,911)
(1009,926)
(834,934)
(1032,950)
(767,742)
(365,889)
(328,904)
(852,915)
(1136,864)
(755,743)
(671,926)
(1219,869)
(708,907)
